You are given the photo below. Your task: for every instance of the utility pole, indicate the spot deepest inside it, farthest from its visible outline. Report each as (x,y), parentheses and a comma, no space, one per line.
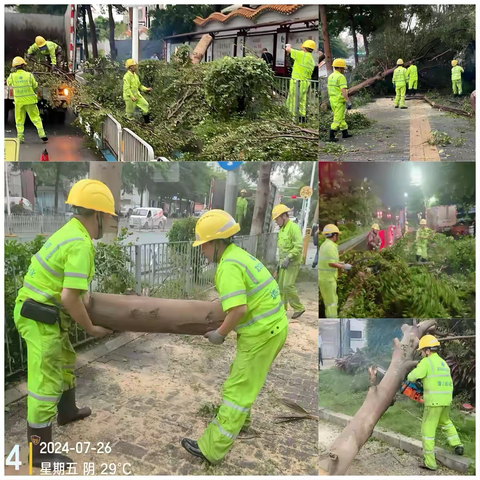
(135,50)
(309,202)
(231,185)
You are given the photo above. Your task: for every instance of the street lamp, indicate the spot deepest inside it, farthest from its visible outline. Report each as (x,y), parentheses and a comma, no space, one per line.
(405,195)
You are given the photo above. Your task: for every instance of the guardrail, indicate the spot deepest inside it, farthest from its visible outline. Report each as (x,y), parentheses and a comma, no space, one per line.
(135,149)
(313,93)
(112,136)
(33,224)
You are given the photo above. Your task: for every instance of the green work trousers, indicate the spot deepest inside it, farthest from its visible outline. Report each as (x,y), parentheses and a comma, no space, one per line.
(328,291)
(51,361)
(434,417)
(422,250)
(248,373)
(286,283)
(400,95)
(302,97)
(21,111)
(457,86)
(141,103)
(413,83)
(239,218)
(339,110)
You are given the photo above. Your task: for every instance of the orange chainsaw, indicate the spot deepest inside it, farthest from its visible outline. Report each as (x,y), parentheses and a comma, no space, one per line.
(413,390)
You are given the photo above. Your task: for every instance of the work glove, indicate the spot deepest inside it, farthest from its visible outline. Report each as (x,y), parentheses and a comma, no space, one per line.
(349,105)
(286,262)
(214,337)
(347,266)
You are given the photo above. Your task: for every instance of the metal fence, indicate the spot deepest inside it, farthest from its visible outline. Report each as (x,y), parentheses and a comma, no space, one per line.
(165,270)
(135,149)
(282,89)
(112,135)
(33,224)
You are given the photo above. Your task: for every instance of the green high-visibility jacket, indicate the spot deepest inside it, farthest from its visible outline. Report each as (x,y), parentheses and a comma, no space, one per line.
(412,72)
(242,205)
(51,47)
(241,279)
(400,76)
(66,260)
(24,87)
(132,86)
(437,381)
(457,71)
(336,82)
(303,66)
(328,253)
(290,243)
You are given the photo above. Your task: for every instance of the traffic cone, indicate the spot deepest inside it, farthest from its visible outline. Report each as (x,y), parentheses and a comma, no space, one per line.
(44,156)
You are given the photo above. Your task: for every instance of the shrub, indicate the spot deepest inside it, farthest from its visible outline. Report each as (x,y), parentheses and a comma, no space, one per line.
(351,226)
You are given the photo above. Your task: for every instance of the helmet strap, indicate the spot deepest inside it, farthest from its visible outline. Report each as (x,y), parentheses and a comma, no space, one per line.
(100,226)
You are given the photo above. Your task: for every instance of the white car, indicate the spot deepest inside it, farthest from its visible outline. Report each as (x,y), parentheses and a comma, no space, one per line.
(147,217)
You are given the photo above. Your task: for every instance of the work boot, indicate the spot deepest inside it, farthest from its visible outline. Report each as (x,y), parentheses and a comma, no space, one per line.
(146,118)
(297,314)
(332,136)
(37,436)
(191,446)
(459,450)
(345,134)
(44,139)
(403,108)
(67,409)
(396,106)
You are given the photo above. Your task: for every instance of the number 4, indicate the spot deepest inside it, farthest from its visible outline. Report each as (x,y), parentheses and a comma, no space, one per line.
(15,454)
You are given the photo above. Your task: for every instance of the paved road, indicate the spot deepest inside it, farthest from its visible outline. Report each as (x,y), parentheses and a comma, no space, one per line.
(402,135)
(66,142)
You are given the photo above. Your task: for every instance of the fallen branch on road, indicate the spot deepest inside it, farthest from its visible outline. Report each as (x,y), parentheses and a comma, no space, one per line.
(304,415)
(458,111)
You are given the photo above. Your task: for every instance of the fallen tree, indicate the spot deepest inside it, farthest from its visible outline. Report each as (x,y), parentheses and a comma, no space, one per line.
(132,313)
(379,397)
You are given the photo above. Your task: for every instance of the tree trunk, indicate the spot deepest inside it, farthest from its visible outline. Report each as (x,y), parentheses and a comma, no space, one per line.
(201,48)
(366,45)
(111,24)
(261,198)
(85,33)
(327,50)
(93,32)
(379,397)
(132,313)
(57,184)
(354,35)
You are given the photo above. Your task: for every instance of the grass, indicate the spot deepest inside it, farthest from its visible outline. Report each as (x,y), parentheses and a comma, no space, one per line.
(344,393)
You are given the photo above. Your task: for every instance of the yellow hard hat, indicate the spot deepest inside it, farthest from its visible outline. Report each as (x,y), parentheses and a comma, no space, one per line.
(454,63)
(130,62)
(339,62)
(428,341)
(375,226)
(214,225)
(17,61)
(399,61)
(309,44)
(93,195)
(243,190)
(278,210)
(40,41)
(423,221)
(330,228)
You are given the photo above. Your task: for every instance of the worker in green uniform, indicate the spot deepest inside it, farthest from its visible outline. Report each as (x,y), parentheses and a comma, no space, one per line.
(400,83)
(25,98)
(51,297)
(241,209)
(339,101)
(301,74)
(405,233)
(423,236)
(457,71)
(131,92)
(251,298)
(328,266)
(52,52)
(412,78)
(290,247)
(434,374)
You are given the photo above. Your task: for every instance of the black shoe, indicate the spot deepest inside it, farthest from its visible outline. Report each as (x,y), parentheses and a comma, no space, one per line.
(68,411)
(146,118)
(45,139)
(345,134)
(403,108)
(191,446)
(396,106)
(314,265)
(38,436)
(297,314)
(459,450)
(332,136)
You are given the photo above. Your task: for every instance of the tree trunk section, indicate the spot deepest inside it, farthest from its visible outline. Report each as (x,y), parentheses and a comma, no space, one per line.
(261,198)
(111,24)
(132,313)
(327,50)
(93,32)
(201,48)
(85,32)
(354,35)
(366,45)
(379,398)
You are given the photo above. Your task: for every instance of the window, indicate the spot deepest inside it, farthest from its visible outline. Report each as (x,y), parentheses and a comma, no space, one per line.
(356,334)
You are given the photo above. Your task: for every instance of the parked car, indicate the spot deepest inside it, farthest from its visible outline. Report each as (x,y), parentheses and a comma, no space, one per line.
(147,217)
(18,206)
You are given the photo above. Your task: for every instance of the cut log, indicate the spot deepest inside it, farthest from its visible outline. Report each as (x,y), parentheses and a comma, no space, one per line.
(379,397)
(447,109)
(201,48)
(131,313)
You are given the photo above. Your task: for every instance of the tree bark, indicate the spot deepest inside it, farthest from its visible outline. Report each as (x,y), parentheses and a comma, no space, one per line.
(326,39)
(366,45)
(111,24)
(132,313)
(379,398)
(261,198)
(447,109)
(93,32)
(201,48)
(85,33)
(354,35)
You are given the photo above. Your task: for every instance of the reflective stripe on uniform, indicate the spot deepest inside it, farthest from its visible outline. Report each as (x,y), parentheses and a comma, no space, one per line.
(232,294)
(257,289)
(331,304)
(432,376)
(249,273)
(442,393)
(43,294)
(40,425)
(63,243)
(75,275)
(42,262)
(259,317)
(43,398)
(236,407)
(453,436)
(428,438)
(223,431)
(447,426)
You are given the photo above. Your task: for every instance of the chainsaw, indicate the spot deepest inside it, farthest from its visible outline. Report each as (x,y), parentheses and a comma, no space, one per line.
(412,390)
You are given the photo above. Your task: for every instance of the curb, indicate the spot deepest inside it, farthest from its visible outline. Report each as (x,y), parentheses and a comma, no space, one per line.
(397,440)
(16,393)
(353,242)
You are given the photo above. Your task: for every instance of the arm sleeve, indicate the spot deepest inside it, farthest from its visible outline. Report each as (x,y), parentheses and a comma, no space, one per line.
(142,88)
(34,82)
(245,208)
(31,50)
(294,53)
(461,68)
(9,80)
(297,243)
(342,81)
(127,86)
(419,372)
(231,286)
(51,52)
(78,265)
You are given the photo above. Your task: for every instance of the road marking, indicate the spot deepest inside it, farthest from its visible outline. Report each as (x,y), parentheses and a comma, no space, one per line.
(420,134)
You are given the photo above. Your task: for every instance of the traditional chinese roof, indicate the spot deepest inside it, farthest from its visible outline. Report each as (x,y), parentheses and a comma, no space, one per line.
(246,12)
